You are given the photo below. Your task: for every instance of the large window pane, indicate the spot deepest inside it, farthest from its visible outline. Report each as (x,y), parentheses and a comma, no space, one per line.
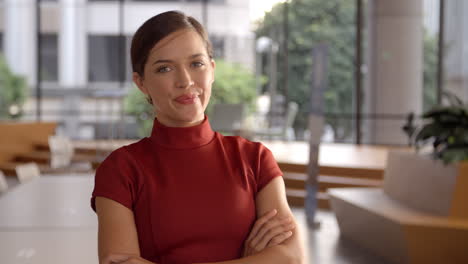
(431,39)
(400,70)
(456,48)
(311,23)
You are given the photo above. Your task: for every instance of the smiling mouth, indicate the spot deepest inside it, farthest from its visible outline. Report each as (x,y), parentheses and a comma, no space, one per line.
(186,99)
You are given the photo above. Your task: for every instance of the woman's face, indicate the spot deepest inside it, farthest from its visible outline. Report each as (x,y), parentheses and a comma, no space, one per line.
(178,76)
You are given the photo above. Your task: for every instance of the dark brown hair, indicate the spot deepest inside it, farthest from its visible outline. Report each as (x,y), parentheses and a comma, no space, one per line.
(159,27)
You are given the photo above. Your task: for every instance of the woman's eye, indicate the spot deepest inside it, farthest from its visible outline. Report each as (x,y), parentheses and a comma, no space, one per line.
(163,69)
(197,64)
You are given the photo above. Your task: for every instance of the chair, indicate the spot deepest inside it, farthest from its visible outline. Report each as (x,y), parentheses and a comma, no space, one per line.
(3,183)
(227,118)
(27,172)
(284,132)
(61,151)
(64,157)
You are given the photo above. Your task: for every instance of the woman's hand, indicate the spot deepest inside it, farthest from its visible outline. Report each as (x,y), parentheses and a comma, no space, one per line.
(269,230)
(125,259)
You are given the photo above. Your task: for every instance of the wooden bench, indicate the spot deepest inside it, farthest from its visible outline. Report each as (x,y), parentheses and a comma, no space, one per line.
(24,142)
(18,138)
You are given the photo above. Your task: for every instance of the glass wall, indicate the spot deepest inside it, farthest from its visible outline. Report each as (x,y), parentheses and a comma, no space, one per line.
(376,114)
(83,58)
(455,48)
(310,23)
(431,49)
(400,68)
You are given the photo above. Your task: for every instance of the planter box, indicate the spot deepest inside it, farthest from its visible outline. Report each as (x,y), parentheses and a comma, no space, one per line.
(428,185)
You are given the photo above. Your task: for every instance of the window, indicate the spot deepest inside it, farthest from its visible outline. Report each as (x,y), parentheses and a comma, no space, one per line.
(208,1)
(105,60)
(218,46)
(49,57)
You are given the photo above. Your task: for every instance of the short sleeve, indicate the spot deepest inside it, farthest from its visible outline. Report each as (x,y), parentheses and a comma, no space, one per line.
(115,179)
(267,167)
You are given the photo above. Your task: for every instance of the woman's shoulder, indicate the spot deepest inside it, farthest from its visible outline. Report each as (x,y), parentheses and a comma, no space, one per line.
(127,152)
(242,143)
(143,143)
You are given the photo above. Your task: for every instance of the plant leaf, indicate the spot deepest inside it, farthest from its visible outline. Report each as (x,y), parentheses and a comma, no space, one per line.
(453,99)
(428,131)
(454,155)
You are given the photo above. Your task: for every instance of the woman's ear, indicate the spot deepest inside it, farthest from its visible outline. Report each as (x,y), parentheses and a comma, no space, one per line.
(138,80)
(213,65)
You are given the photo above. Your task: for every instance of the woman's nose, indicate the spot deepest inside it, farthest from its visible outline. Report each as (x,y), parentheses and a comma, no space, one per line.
(184,79)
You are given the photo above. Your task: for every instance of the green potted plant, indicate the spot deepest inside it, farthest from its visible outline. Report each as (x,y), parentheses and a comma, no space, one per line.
(13,90)
(446,129)
(435,181)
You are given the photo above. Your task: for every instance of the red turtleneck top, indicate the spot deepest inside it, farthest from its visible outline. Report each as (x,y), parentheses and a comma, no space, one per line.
(192,191)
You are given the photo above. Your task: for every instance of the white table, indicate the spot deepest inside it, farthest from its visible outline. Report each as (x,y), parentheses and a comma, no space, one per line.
(59,201)
(49,246)
(48,221)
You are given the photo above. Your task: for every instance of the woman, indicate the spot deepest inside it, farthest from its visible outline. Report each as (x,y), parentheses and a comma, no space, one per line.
(187,194)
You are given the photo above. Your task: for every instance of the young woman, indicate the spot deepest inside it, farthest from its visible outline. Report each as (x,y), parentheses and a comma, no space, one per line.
(187,194)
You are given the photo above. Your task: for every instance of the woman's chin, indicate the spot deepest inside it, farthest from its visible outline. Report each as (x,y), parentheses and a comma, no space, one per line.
(192,118)
(182,117)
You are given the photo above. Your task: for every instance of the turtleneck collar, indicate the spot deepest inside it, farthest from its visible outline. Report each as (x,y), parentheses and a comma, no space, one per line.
(182,137)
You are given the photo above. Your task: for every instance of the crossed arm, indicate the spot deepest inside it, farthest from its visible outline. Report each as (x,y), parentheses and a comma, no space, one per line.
(118,239)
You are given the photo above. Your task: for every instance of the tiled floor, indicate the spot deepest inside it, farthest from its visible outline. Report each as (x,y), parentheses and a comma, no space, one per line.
(326,246)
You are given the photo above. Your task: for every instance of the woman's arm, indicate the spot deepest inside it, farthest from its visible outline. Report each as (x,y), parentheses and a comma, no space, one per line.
(117,234)
(118,238)
(291,251)
(268,231)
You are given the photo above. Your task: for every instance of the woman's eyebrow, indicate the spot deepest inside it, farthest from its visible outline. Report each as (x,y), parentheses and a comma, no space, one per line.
(197,55)
(162,61)
(171,61)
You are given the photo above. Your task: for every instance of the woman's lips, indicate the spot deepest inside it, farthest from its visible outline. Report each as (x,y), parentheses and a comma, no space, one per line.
(186,99)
